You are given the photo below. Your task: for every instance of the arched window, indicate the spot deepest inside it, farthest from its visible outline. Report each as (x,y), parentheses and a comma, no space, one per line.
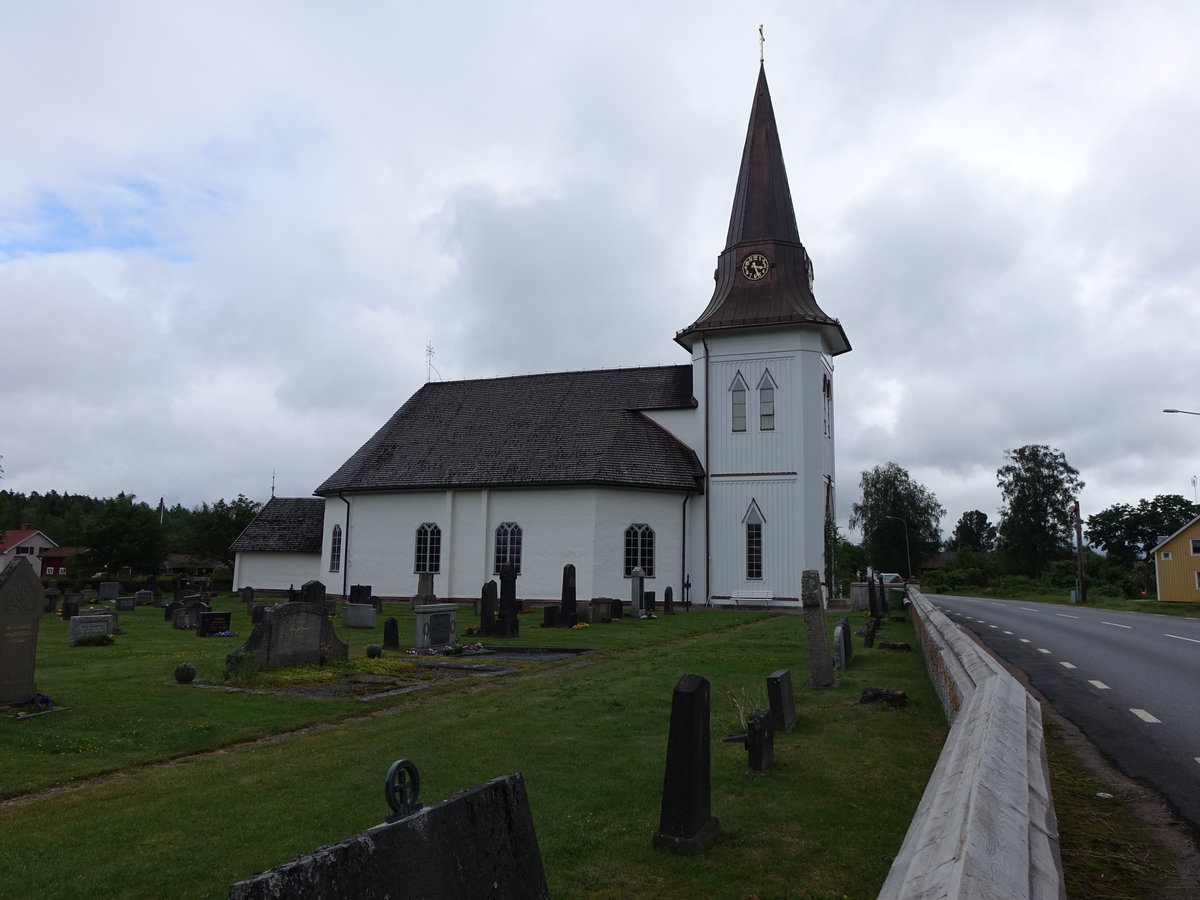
(335,549)
(508,546)
(753,521)
(737,393)
(428,556)
(639,549)
(766,403)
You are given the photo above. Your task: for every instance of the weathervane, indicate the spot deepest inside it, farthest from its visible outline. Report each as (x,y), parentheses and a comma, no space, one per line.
(761,40)
(429,366)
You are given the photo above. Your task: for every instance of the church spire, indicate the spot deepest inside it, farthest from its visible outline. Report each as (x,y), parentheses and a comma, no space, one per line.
(764,276)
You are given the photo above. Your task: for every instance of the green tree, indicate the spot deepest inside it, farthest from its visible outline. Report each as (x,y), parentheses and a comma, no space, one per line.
(1130,533)
(1038,486)
(899,519)
(213,528)
(122,533)
(844,562)
(974,531)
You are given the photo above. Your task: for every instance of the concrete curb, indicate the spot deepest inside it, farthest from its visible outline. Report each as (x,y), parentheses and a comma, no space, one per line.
(985,827)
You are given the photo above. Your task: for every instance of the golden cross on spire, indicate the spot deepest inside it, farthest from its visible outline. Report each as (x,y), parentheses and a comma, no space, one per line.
(761,40)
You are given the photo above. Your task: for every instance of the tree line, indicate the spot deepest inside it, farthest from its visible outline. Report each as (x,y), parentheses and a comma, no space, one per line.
(1032,545)
(123,532)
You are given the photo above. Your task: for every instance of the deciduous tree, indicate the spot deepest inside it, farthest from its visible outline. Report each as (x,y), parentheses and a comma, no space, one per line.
(123,533)
(973,531)
(1129,533)
(1038,486)
(899,518)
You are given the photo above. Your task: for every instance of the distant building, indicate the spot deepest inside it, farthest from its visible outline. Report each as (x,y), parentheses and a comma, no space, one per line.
(1177,565)
(25,543)
(714,477)
(53,562)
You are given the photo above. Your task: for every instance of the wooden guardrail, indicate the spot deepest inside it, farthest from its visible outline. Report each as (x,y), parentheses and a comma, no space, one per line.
(985,827)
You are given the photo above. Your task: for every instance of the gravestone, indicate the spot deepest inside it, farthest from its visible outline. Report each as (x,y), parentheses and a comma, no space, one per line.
(52,601)
(686,823)
(21,602)
(186,617)
(211,623)
(391,634)
(109,590)
(144,598)
(247,595)
(70,606)
(152,584)
(83,626)
(436,625)
(88,596)
(760,741)
(783,703)
(871,632)
(358,615)
(478,844)
(312,592)
(847,640)
(424,595)
(648,602)
(487,609)
(820,666)
(293,634)
(126,604)
(507,625)
(568,614)
(550,617)
(839,647)
(170,609)
(360,593)
(636,581)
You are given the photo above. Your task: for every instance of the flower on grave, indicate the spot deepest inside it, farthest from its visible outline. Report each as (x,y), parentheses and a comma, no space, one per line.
(580,625)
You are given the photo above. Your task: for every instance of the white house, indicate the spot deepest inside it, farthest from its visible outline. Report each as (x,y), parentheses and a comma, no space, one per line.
(25,543)
(714,476)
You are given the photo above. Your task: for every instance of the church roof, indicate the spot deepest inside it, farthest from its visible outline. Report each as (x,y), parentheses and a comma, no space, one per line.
(284,525)
(763,221)
(563,428)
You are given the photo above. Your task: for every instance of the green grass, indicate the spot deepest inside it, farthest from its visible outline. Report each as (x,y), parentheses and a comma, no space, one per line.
(589,736)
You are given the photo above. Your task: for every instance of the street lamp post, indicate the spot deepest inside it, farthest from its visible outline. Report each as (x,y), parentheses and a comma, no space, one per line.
(1186,412)
(907,552)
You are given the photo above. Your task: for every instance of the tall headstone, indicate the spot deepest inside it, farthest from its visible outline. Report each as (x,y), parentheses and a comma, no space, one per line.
(820,665)
(783,703)
(669,602)
(636,581)
(648,602)
(487,609)
(847,639)
(247,595)
(424,595)
(293,634)
(686,822)
(506,624)
(70,606)
(839,647)
(760,741)
(312,592)
(391,634)
(568,613)
(21,602)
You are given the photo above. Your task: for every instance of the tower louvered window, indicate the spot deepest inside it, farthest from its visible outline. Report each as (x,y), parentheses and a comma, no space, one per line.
(737,392)
(766,403)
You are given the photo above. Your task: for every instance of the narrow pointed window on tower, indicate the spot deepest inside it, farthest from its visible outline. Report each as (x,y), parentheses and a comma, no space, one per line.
(766,402)
(753,520)
(737,392)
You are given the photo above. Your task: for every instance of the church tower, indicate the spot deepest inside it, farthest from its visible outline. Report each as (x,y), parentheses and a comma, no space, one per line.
(762,361)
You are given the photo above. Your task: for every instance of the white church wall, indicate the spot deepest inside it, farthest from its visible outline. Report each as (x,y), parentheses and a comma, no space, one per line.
(782,535)
(276,571)
(687,425)
(616,510)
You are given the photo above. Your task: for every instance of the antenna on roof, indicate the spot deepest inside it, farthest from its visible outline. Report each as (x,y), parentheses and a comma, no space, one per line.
(429,361)
(272,484)
(761,40)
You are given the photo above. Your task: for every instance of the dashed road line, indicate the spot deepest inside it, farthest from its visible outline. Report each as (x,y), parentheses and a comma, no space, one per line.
(993,626)
(1100,684)
(1042,650)
(1026,641)
(1181,638)
(1008,632)
(1065,616)
(1067,665)
(1146,717)
(1029,609)
(1116,624)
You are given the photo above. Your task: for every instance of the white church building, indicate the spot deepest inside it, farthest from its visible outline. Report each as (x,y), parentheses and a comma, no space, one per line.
(715,476)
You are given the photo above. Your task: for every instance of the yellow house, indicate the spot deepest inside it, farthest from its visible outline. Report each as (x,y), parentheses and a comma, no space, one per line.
(1177,564)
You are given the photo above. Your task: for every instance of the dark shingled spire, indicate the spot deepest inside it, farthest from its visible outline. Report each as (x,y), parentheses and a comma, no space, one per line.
(763,222)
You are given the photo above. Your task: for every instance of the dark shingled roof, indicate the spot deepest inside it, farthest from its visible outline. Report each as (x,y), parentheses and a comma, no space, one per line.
(556,429)
(284,525)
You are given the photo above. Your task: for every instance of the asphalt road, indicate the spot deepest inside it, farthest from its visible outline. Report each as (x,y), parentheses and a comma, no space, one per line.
(1129,681)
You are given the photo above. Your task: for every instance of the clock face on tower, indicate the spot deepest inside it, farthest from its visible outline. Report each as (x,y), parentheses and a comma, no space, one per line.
(755,266)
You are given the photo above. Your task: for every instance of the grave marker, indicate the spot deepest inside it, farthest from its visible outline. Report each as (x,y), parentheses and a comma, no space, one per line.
(109,590)
(636,581)
(686,823)
(358,615)
(126,604)
(294,634)
(487,609)
(568,614)
(211,623)
(391,634)
(21,602)
(436,625)
(83,626)
(669,602)
(783,703)
(820,666)
(144,598)
(507,625)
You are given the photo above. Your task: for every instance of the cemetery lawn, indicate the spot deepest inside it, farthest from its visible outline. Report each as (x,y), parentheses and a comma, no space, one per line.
(191,788)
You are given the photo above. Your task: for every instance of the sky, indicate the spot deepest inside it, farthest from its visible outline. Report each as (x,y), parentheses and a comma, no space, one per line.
(229,230)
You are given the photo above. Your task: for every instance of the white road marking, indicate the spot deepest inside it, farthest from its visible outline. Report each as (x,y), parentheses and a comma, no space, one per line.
(1099,684)
(993,626)
(994,603)
(1065,616)
(1067,665)
(1146,717)
(1008,632)
(1116,625)
(1028,609)
(1042,650)
(1026,641)
(1180,638)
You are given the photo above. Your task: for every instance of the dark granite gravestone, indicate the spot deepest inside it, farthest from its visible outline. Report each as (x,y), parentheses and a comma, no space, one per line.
(109,590)
(170,609)
(686,822)
(70,606)
(669,602)
(312,592)
(648,602)
(478,844)
(506,624)
(294,634)
(871,631)
(52,601)
(186,618)
(487,609)
(181,588)
(847,639)
(391,634)
(247,595)
(360,593)
(760,741)
(143,598)
(568,614)
(126,604)
(636,582)
(213,623)
(21,602)
(839,647)
(549,616)
(820,666)
(152,584)
(783,704)
(257,613)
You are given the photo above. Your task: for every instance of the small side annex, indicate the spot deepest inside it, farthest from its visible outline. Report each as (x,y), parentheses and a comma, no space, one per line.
(282,546)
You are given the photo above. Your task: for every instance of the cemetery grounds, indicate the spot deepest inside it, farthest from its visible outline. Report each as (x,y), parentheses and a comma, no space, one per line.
(140,786)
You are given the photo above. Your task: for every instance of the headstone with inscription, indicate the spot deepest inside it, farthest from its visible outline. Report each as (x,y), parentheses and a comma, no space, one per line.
(110,590)
(568,614)
(126,604)
(507,625)
(487,609)
(669,602)
(144,598)
(783,703)
(70,606)
(358,615)
(292,634)
(85,626)
(686,823)
(391,634)
(312,592)
(170,609)
(247,595)
(21,602)
(211,623)
(436,625)
(186,618)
